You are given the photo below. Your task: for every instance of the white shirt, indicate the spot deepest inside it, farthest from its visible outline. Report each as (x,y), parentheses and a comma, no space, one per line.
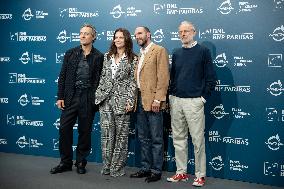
(114,66)
(143,53)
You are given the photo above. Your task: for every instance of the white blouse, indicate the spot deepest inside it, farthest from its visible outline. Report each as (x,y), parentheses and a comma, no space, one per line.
(114,66)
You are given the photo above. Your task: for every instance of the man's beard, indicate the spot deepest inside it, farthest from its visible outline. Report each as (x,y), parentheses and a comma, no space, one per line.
(143,43)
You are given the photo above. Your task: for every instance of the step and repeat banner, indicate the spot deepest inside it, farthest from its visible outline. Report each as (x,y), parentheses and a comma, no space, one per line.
(244,116)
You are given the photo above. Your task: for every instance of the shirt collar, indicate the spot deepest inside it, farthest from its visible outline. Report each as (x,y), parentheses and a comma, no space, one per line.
(191,45)
(144,51)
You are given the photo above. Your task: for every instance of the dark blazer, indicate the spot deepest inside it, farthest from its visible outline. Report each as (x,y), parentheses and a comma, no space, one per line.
(67,76)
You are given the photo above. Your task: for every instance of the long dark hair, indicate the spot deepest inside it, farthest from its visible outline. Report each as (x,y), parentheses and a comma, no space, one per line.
(128,45)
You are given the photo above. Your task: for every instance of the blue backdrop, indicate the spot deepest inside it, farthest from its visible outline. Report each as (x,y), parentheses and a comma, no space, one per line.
(245,115)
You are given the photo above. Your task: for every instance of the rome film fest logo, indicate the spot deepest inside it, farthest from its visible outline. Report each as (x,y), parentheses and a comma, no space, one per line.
(278,33)
(158,36)
(25,58)
(276,88)
(221,60)
(217,163)
(24,100)
(244,7)
(239,61)
(27,15)
(273,143)
(219,112)
(64,37)
(22,142)
(117,12)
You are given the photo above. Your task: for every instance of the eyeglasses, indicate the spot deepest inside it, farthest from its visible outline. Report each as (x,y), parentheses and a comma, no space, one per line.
(186,31)
(84,33)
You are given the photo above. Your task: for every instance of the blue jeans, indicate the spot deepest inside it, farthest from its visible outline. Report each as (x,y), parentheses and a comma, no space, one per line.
(150,134)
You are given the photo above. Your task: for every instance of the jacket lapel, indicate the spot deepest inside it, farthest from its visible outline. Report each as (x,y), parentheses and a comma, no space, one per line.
(147,56)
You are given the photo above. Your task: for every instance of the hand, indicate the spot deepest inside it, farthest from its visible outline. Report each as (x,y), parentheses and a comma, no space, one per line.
(60,104)
(156,106)
(128,108)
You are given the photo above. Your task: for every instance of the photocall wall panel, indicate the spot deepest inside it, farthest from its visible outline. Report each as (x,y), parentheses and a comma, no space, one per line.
(244,116)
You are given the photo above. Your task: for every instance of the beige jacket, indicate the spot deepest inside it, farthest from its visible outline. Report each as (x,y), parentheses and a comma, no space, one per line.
(154,77)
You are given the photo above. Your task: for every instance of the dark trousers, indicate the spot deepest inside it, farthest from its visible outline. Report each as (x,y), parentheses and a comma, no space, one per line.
(81,108)
(150,134)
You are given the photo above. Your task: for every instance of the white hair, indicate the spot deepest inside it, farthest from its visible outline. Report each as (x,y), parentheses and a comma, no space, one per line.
(187,23)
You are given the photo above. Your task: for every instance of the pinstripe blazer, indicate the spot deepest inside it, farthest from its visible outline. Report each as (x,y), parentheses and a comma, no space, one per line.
(122,88)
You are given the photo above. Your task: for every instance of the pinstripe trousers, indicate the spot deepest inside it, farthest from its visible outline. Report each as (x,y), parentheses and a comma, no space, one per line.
(114,139)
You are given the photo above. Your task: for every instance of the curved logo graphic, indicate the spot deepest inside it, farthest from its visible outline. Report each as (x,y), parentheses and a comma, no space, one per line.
(25,58)
(221,60)
(217,163)
(27,15)
(225,7)
(278,33)
(219,112)
(23,100)
(276,88)
(62,37)
(274,143)
(117,12)
(158,36)
(22,142)
(57,123)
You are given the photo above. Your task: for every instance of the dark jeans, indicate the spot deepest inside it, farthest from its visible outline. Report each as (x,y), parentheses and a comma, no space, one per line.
(80,108)
(150,134)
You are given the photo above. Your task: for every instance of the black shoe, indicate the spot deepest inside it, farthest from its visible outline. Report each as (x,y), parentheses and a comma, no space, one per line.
(80,168)
(60,169)
(140,174)
(153,177)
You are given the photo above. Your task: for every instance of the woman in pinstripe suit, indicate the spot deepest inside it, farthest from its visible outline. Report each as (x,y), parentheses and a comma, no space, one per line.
(115,96)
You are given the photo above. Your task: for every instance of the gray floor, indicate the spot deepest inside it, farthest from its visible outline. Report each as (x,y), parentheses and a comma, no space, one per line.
(32,172)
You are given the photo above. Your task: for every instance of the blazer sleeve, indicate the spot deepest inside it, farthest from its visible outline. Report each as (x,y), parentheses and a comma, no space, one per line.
(132,84)
(99,92)
(62,77)
(162,74)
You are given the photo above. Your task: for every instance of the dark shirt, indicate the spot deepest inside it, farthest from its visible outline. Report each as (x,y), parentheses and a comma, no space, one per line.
(192,72)
(82,73)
